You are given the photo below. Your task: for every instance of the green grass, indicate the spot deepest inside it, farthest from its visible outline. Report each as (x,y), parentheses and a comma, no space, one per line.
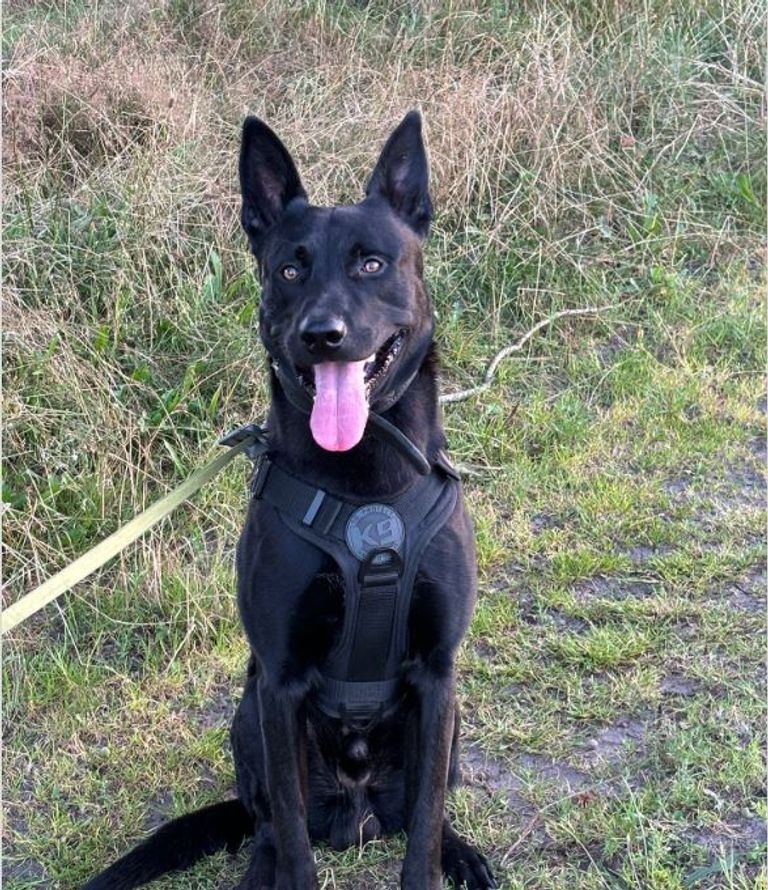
(591,154)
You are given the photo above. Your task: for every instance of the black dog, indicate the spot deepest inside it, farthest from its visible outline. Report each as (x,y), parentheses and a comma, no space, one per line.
(356,565)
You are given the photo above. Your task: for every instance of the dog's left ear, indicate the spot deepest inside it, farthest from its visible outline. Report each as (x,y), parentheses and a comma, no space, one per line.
(401,175)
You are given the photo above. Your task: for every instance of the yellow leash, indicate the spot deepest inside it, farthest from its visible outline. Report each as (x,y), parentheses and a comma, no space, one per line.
(100,554)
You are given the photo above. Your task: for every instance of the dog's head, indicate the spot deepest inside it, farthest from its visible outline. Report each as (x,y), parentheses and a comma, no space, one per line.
(344,307)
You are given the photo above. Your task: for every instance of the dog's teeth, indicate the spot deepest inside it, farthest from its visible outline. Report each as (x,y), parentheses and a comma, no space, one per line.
(377,364)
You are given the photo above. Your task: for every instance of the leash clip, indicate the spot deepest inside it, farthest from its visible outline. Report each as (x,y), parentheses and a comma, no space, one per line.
(247,431)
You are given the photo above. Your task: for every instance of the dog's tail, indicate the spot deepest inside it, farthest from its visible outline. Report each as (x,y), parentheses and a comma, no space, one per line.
(178,845)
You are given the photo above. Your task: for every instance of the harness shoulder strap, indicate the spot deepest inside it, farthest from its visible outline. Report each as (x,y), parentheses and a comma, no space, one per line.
(312,508)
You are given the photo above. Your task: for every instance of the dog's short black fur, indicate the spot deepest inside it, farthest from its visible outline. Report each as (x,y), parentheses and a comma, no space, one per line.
(338,284)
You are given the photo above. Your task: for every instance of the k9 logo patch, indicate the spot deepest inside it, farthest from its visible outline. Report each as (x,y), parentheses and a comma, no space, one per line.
(374,527)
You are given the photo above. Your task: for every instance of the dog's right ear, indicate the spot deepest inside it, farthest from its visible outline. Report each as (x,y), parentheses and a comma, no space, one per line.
(268,179)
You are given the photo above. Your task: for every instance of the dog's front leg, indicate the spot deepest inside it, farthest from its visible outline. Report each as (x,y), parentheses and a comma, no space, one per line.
(428,771)
(285,755)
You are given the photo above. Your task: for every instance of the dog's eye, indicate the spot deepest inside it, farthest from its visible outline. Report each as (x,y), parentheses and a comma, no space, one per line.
(372,264)
(290,273)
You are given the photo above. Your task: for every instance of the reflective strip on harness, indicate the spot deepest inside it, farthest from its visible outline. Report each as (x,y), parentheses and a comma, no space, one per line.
(377,547)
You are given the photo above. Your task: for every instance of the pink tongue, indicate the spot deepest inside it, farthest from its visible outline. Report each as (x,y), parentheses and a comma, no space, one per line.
(340,411)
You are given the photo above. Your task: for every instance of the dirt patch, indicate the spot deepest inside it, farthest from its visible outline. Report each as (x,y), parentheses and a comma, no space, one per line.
(612,742)
(542,521)
(217,714)
(565,622)
(623,336)
(25,870)
(643,554)
(752,582)
(479,770)
(759,447)
(485,650)
(743,485)
(677,684)
(159,810)
(677,486)
(556,772)
(744,834)
(613,589)
(748,593)
(494,777)
(744,602)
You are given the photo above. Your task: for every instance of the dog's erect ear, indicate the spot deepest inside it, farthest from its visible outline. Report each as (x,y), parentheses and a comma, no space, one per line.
(402,175)
(268,179)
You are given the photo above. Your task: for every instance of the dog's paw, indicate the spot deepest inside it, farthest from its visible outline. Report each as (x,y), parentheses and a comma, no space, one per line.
(465,866)
(260,874)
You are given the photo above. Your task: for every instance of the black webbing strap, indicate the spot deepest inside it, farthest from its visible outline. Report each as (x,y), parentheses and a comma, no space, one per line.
(368,655)
(307,504)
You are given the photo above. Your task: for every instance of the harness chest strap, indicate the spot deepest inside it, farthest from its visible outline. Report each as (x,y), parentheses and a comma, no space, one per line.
(377,547)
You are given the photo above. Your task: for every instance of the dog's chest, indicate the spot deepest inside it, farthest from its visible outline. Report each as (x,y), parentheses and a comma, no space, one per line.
(376,549)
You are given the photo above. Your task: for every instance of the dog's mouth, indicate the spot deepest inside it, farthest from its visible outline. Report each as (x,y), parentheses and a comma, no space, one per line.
(375,366)
(341,392)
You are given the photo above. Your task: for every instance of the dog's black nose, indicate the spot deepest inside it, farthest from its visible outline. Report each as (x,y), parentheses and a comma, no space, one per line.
(322,334)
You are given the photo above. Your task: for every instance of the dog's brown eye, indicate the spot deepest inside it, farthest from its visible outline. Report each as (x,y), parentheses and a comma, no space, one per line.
(372,265)
(290,273)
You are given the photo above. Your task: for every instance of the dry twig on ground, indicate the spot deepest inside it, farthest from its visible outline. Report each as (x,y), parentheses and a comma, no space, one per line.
(516,347)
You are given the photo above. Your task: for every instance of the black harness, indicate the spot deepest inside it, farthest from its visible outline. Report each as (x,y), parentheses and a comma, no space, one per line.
(377,547)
